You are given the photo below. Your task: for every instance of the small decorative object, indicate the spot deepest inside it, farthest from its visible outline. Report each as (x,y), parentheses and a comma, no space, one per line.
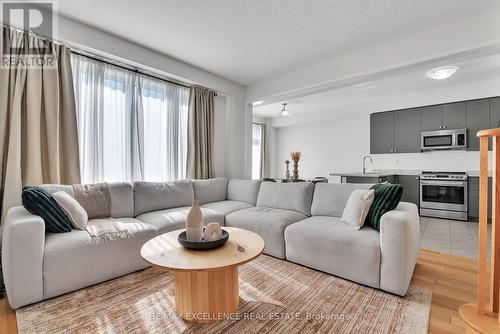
(212,232)
(194,223)
(203,244)
(287,172)
(295,158)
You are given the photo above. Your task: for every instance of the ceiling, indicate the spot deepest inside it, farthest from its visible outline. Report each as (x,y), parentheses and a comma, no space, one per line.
(368,93)
(248,41)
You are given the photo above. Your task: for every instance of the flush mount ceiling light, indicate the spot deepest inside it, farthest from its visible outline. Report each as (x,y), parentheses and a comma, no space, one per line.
(284,112)
(441,73)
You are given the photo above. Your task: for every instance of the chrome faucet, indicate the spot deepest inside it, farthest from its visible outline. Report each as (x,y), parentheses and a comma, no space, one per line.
(364,160)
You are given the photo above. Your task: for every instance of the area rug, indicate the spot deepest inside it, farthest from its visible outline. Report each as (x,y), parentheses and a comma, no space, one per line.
(275,297)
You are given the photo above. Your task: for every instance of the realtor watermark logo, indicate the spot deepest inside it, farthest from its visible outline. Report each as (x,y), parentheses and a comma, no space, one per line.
(33,49)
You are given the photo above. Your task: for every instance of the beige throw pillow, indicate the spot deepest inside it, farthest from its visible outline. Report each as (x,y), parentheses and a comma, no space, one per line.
(357,207)
(76,213)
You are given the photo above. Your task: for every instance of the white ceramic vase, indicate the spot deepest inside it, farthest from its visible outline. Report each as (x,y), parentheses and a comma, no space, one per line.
(194,223)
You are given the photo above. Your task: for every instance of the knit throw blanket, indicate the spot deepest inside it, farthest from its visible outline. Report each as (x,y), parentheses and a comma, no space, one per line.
(96,200)
(102,230)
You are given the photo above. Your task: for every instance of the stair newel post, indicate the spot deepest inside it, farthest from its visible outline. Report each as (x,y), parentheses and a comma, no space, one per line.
(495,230)
(479,318)
(483,227)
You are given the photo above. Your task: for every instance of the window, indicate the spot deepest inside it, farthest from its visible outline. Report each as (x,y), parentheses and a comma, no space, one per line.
(257,141)
(131,127)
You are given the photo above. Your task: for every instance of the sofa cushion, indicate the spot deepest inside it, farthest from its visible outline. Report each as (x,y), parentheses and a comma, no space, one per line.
(152,196)
(269,223)
(226,207)
(75,212)
(243,190)
(210,190)
(286,196)
(357,207)
(387,197)
(95,199)
(330,199)
(326,244)
(122,196)
(86,264)
(174,219)
(122,199)
(39,202)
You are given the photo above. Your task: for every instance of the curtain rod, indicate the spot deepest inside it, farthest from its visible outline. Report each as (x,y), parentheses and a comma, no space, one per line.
(131,68)
(134,69)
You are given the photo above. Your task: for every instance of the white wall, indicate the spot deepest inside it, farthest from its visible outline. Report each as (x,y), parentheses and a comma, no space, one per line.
(336,145)
(231,115)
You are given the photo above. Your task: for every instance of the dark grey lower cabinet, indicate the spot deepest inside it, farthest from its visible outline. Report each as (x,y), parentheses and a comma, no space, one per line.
(410,185)
(473,198)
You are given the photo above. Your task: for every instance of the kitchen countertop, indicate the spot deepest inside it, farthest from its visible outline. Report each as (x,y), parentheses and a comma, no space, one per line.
(360,174)
(388,172)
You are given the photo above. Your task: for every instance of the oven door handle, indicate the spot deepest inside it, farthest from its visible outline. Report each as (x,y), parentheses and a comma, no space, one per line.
(446,183)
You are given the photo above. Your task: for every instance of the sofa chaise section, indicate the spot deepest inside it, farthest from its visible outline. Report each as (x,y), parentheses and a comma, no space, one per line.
(278,206)
(384,259)
(326,244)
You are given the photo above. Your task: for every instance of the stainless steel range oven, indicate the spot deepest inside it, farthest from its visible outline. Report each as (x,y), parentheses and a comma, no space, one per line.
(443,195)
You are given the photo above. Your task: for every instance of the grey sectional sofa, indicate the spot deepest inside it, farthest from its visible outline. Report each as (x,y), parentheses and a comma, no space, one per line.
(298,221)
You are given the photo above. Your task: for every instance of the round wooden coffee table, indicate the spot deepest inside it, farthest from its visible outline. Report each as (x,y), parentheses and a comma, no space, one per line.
(206,282)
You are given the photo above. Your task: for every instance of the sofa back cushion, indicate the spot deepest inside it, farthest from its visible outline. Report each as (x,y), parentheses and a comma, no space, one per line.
(122,199)
(287,196)
(121,193)
(330,199)
(152,196)
(243,190)
(210,190)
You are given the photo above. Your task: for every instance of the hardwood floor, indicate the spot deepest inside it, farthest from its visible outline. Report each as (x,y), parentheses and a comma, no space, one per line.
(452,280)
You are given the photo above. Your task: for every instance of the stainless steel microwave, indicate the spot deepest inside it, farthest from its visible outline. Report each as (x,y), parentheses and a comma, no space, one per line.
(447,139)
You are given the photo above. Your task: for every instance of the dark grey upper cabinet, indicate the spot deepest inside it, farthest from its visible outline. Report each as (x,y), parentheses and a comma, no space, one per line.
(478,118)
(410,185)
(407,131)
(432,117)
(495,112)
(454,115)
(382,133)
(400,131)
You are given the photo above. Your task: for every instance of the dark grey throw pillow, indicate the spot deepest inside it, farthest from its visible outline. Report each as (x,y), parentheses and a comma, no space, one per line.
(39,202)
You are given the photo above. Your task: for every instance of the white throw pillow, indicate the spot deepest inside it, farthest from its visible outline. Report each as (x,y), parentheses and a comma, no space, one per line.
(357,207)
(76,213)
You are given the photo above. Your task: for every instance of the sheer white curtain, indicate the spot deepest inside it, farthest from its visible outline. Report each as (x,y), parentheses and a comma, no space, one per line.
(130,127)
(165,129)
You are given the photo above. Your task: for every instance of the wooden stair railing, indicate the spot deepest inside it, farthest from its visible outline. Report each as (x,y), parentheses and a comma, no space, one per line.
(480,317)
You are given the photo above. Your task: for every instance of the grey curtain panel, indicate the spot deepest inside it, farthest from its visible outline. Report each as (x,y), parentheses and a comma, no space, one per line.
(200,164)
(38,132)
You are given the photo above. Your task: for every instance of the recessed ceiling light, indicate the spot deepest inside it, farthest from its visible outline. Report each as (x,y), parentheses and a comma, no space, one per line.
(441,73)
